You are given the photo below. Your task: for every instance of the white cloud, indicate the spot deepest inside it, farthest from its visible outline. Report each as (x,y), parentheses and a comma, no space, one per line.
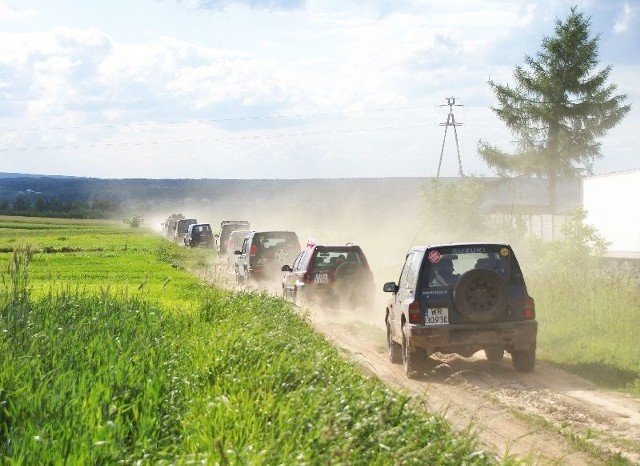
(624,19)
(9,13)
(296,92)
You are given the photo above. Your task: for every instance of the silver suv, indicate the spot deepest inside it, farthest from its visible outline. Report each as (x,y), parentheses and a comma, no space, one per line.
(460,298)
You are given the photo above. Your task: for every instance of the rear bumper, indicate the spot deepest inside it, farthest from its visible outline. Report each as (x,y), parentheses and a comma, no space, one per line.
(468,338)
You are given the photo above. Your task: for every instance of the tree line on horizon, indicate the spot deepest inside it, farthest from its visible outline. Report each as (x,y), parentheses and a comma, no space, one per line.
(23,205)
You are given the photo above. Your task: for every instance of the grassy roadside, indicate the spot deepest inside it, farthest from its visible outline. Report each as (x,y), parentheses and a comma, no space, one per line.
(111,352)
(588,325)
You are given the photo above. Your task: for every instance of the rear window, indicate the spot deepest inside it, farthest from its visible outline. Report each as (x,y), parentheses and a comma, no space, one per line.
(444,265)
(331,258)
(183,225)
(276,238)
(236,237)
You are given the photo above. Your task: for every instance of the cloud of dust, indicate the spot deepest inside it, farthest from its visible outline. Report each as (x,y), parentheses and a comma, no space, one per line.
(384,217)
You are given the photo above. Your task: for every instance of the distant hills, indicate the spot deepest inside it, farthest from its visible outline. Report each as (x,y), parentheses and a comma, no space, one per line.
(323,196)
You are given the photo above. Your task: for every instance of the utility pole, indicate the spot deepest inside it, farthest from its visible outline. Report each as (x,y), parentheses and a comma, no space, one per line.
(451,121)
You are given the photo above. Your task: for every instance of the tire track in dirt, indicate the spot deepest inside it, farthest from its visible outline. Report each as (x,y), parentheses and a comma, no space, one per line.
(530,416)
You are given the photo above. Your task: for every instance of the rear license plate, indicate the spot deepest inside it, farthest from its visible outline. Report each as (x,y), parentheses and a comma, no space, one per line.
(436,316)
(320,278)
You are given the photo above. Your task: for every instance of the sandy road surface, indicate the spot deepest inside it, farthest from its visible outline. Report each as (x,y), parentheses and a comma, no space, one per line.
(546,417)
(527,415)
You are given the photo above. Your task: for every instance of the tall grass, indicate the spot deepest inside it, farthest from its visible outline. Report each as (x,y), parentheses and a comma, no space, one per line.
(589,322)
(86,379)
(103,378)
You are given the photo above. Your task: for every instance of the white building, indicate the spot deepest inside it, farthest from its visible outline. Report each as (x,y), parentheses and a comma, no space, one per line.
(611,202)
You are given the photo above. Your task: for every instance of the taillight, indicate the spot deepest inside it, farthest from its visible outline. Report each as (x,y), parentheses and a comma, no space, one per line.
(414,312)
(529,308)
(254,248)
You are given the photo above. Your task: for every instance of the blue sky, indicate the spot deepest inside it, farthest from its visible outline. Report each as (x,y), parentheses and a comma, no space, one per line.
(279,88)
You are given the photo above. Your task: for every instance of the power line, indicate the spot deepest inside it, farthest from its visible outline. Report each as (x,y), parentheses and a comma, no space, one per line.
(218,120)
(207,140)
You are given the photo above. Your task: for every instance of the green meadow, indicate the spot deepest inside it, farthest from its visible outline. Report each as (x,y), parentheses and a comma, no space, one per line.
(112,352)
(588,324)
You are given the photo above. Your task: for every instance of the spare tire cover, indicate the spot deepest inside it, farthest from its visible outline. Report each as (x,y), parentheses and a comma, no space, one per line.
(349,271)
(480,295)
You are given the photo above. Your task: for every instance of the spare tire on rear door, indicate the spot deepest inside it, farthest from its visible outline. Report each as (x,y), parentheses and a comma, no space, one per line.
(480,295)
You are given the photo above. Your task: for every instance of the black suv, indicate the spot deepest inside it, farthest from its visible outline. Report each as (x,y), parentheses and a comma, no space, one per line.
(331,276)
(460,298)
(263,253)
(199,234)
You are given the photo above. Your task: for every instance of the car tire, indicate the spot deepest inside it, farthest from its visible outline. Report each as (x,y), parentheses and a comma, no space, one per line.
(524,360)
(412,361)
(494,354)
(480,295)
(395,349)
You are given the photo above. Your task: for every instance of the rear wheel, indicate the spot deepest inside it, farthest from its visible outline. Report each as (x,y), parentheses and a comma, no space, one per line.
(395,349)
(494,354)
(412,361)
(524,360)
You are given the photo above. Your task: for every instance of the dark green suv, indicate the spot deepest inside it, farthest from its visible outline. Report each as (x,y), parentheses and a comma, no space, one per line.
(460,298)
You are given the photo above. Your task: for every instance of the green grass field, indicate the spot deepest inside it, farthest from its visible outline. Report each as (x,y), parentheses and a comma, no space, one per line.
(588,324)
(111,352)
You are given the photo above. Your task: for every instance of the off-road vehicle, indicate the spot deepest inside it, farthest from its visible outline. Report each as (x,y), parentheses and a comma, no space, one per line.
(236,237)
(460,298)
(199,234)
(226,227)
(182,225)
(169,225)
(264,253)
(329,275)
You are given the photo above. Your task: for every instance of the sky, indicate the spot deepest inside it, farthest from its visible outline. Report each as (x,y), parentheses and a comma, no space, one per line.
(280,89)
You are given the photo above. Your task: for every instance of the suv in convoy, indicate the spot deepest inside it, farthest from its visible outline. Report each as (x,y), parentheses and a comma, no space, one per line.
(263,253)
(182,226)
(460,298)
(169,225)
(236,237)
(199,234)
(330,276)
(226,227)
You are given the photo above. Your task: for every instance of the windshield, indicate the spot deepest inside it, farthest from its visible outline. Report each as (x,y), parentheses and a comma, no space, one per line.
(331,258)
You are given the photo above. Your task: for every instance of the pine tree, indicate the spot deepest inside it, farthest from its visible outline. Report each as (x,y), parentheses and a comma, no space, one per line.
(558,109)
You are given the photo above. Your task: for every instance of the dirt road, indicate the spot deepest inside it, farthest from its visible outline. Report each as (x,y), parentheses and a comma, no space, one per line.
(545,417)
(549,416)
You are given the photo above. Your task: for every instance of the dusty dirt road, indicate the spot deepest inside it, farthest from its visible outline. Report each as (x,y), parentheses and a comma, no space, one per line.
(545,417)
(548,417)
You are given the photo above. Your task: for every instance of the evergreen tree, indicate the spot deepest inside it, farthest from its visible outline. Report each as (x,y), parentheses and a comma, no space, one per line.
(558,109)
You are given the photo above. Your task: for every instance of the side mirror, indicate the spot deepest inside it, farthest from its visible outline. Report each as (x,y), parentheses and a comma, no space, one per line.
(237,252)
(286,268)
(390,287)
